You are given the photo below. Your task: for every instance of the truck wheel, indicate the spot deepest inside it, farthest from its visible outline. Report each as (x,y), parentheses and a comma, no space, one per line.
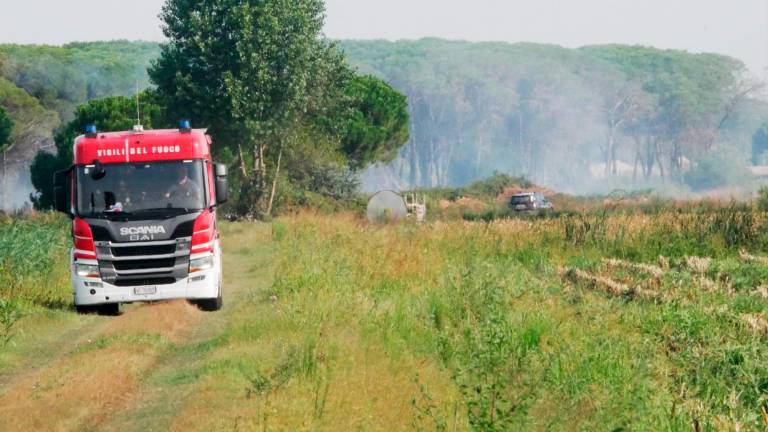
(111,309)
(210,305)
(83,310)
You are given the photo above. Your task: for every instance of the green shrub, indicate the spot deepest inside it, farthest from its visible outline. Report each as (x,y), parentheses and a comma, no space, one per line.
(762,199)
(10,313)
(34,264)
(494,185)
(721,168)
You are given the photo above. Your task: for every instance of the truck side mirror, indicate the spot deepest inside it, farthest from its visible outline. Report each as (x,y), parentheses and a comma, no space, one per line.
(222,185)
(98,172)
(61,190)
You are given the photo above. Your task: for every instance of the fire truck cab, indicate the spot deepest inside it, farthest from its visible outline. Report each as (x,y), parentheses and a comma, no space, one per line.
(143,209)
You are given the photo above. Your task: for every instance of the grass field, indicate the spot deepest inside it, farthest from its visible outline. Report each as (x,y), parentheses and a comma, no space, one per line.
(600,321)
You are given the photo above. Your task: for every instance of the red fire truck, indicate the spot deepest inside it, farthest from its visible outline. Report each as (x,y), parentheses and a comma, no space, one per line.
(143,209)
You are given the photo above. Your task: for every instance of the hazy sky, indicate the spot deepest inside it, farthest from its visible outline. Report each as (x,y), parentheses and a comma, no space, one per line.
(737,27)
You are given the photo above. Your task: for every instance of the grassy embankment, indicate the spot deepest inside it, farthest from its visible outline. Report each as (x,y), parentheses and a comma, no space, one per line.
(335,324)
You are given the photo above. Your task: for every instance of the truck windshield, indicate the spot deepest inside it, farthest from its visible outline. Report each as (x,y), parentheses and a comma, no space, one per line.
(141,188)
(522,199)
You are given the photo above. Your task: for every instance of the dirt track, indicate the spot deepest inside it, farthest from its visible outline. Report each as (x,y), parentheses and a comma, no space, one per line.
(99,373)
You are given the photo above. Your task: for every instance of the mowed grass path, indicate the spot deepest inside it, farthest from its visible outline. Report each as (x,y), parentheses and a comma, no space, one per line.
(334,324)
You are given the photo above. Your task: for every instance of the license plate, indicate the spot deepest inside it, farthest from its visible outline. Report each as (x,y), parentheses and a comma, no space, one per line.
(145,290)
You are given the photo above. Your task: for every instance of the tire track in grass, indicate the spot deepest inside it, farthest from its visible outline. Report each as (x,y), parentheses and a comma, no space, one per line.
(83,387)
(169,384)
(96,372)
(51,337)
(45,339)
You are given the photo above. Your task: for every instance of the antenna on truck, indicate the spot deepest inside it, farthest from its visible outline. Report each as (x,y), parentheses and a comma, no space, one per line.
(138,127)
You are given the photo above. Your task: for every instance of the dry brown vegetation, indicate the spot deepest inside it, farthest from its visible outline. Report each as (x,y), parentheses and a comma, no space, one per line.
(757,322)
(609,285)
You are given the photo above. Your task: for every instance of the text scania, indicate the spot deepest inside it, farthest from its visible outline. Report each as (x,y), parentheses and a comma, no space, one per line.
(142,232)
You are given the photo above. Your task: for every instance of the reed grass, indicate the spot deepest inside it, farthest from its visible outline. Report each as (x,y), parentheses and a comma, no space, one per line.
(34,261)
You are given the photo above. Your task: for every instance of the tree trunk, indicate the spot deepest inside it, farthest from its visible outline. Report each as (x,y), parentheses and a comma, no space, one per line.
(634,166)
(414,162)
(243,167)
(258,157)
(645,156)
(609,152)
(676,163)
(6,205)
(274,182)
(410,154)
(660,161)
(254,188)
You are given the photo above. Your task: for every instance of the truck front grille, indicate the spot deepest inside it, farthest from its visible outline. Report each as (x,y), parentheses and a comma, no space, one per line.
(163,263)
(135,263)
(143,250)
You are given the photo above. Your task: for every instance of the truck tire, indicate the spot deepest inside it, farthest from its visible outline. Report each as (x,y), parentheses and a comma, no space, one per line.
(84,310)
(111,309)
(214,304)
(210,305)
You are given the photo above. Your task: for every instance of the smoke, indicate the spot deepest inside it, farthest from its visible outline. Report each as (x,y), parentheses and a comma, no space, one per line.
(15,179)
(582,121)
(41,86)
(16,187)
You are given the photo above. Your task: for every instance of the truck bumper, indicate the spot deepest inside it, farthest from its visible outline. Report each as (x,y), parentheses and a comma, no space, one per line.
(198,285)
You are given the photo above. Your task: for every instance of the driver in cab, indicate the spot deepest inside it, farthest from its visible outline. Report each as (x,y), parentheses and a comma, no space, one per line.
(184,188)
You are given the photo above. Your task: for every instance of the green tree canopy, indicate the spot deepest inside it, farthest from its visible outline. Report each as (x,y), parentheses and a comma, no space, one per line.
(6,127)
(475,108)
(555,114)
(115,113)
(261,75)
(62,77)
(376,126)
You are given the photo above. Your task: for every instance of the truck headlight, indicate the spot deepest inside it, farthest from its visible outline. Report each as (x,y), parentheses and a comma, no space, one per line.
(200,264)
(87,270)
